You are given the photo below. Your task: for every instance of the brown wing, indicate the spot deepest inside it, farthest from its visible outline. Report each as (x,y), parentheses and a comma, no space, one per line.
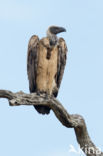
(62,55)
(32,60)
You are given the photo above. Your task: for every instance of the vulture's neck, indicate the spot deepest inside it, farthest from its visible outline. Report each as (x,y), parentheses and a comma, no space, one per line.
(53,38)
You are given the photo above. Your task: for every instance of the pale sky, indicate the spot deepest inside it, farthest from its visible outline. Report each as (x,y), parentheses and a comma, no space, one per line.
(22,130)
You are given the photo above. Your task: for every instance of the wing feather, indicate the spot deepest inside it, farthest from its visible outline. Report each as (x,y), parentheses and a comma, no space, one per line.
(62,56)
(32,61)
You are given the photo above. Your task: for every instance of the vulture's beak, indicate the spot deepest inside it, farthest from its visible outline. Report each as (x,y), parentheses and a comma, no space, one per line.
(61,29)
(55,30)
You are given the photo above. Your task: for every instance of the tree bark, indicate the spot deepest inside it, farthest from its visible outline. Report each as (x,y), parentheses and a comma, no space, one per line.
(70,121)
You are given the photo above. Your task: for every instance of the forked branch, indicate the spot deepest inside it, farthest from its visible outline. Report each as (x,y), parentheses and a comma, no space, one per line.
(70,121)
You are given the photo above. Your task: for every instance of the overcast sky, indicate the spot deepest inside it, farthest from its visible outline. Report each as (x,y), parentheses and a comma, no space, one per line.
(22,130)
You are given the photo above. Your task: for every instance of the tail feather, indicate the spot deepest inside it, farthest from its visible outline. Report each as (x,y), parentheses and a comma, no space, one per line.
(42,109)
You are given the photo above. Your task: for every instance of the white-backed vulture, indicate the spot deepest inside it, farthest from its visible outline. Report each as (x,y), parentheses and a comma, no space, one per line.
(45,64)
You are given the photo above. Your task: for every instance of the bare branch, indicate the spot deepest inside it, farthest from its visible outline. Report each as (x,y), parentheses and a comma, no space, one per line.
(71,121)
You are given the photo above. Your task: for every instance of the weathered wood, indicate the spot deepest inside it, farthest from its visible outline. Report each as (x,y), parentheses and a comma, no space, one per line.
(70,121)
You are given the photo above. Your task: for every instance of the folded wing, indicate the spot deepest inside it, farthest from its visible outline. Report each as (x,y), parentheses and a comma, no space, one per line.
(62,56)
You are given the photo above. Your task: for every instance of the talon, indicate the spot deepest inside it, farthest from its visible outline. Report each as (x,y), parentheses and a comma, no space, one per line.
(46,96)
(38,93)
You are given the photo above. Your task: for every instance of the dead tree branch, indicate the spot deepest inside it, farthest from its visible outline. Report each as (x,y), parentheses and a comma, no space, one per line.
(70,121)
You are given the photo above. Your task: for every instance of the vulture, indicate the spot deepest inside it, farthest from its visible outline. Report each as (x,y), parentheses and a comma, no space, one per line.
(46,60)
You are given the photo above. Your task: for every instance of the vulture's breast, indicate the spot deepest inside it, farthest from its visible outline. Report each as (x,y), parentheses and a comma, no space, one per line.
(47,68)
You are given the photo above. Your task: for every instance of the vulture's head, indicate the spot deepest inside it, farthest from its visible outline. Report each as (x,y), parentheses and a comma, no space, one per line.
(52,32)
